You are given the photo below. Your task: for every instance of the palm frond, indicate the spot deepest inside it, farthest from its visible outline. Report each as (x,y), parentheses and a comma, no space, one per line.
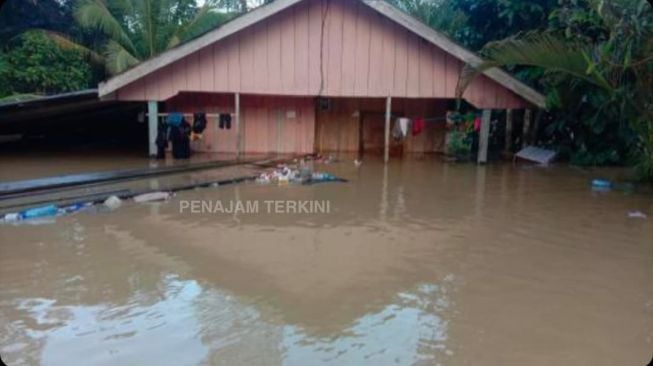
(118,59)
(205,19)
(539,50)
(95,14)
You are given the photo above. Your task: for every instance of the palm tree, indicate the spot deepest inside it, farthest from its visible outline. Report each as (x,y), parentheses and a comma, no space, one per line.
(139,29)
(618,64)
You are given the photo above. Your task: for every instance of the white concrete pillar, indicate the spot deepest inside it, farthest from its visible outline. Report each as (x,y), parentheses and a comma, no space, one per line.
(484,136)
(152,125)
(388,112)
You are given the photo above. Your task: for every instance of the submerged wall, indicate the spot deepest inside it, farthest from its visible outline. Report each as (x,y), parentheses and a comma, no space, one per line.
(341,127)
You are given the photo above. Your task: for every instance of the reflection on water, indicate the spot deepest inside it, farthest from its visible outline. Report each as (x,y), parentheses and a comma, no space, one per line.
(418,263)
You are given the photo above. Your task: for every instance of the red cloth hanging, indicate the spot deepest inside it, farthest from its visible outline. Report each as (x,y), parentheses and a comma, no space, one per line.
(418,126)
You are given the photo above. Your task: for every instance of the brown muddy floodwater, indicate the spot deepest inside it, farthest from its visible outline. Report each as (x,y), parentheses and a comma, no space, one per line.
(419,263)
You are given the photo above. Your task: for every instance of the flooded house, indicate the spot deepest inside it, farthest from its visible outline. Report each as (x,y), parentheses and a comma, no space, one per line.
(305,76)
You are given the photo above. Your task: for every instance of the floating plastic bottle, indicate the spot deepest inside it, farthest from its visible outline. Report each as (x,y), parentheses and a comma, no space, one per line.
(44,211)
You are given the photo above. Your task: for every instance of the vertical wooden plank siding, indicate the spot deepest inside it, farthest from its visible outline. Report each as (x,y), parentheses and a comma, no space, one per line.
(363,44)
(302,47)
(401,61)
(360,53)
(258,119)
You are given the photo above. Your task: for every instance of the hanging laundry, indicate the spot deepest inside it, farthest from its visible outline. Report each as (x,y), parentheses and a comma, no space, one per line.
(180,136)
(400,130)
(225,121)
(199,122)
(477,123)
(419,125)
(162,138)
(199,125)
(161,144)
(174,119)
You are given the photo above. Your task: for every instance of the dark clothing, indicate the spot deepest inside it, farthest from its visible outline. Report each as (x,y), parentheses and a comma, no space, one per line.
(180,137)
(225,121)
(199,122)
(161,141)
(161,144)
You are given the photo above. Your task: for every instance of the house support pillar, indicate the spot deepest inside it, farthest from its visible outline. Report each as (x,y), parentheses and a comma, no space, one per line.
(152,126)
(526,137)
(508,147)
(388,111)
(536,127)
(239,128)
(484,137)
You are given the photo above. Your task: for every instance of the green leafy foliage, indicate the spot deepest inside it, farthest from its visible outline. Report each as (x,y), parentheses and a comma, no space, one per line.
(37,65)
(597,58)
(474,23)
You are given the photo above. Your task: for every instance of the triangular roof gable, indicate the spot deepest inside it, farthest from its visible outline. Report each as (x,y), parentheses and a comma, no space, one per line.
(265,12)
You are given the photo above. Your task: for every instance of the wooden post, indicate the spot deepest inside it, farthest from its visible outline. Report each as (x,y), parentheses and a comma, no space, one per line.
(484,138)
(388,111)
(528,115)
(508,147)
(536,127)
(152,125)
(239,129)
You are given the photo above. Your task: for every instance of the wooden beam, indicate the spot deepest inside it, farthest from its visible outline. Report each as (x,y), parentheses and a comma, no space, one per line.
(388,111)
(239,129)
(508,147)
(484,138)
(152,125)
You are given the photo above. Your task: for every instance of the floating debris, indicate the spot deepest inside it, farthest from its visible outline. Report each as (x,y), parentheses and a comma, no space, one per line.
(43,211)
(13,217)
(152,197)
(113,202)
(74,208)
(637,215)
(284,175)
(602,185)
(537,155)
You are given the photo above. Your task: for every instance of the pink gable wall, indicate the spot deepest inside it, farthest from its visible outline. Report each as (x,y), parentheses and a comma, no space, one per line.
(364,54)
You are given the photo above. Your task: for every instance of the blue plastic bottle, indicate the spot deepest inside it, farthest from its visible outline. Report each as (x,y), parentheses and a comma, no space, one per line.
(50,210)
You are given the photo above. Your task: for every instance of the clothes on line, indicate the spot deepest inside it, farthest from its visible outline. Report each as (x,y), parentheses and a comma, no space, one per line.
(199,125)
(180,136)
(400,130)
(419,125)
(199,122)
(225,121)
(174,119)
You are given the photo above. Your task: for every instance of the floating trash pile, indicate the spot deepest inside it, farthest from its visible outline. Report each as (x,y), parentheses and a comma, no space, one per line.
(301,174)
